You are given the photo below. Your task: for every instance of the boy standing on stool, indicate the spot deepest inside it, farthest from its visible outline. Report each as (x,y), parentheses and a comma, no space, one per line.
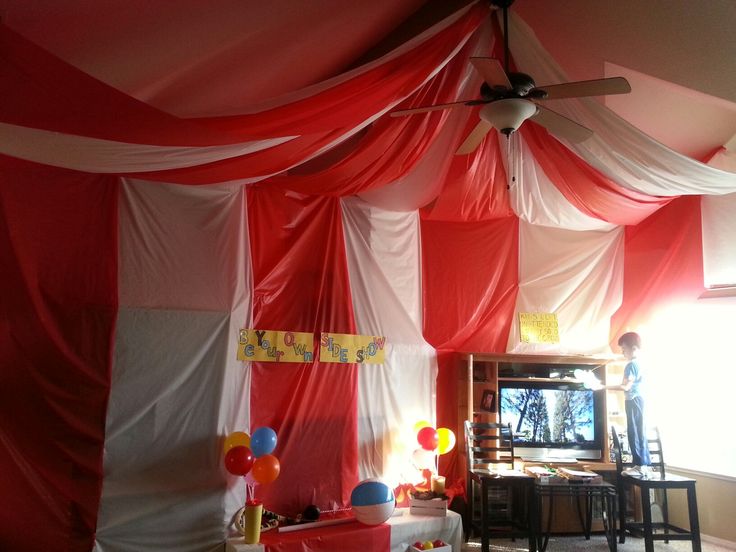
(631,385)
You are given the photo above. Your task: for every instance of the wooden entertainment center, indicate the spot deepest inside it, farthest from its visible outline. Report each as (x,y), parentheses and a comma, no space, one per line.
(479,401)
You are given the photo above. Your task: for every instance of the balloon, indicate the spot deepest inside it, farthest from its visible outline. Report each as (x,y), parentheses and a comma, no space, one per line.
(263,441)
(236,439)
(266,468)
(239,460)
(420,424)
(427,437)
(422,459)
(446,440)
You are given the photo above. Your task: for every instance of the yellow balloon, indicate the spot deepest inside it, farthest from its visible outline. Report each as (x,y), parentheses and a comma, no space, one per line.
(236,439)
(446,440)
(420,424)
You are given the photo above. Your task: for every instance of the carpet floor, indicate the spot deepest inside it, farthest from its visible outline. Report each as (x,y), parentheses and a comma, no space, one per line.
(597,543)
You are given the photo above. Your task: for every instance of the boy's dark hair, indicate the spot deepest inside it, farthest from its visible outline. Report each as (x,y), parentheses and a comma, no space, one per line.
(630,339)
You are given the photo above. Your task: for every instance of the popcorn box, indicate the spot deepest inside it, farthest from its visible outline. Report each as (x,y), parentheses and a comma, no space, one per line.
(428,507)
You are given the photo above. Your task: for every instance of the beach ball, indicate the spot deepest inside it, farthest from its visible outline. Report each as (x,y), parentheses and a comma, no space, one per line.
(372,502)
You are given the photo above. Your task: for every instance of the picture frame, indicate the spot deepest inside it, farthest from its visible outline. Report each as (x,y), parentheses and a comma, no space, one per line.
(488,400)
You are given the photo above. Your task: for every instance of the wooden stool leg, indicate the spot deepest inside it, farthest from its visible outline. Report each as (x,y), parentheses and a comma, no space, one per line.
(646,509)
(692,507)
(622,514)
(484,518)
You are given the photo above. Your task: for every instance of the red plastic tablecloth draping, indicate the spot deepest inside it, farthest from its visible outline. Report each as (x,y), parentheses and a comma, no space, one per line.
(348,537)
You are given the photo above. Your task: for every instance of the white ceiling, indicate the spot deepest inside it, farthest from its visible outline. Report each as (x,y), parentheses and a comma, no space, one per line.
(678,55)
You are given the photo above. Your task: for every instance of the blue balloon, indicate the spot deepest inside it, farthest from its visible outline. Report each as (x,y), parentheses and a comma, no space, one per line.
(263,441)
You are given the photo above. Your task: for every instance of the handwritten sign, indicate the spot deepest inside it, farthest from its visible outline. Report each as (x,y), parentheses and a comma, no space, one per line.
(275,346)
(364,349)
(538,327)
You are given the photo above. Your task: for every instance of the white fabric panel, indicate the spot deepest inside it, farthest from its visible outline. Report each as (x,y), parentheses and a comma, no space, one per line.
(579,276)
(181,246)
(172,399)
(177,389)
(96,155)
(534,198)
(618,150)
(383,254)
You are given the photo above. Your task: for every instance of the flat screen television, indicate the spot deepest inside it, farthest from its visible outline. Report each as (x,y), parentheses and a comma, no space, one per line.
(553,420)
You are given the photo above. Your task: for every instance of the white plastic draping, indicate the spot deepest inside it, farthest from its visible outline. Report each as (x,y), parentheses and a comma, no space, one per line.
(534,198)
(618,150)
(177,388)
(719,229)
(182,247)
(578,276)
(107,156)
(383,255)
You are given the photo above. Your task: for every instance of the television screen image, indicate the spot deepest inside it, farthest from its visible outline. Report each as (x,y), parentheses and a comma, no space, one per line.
(558,416)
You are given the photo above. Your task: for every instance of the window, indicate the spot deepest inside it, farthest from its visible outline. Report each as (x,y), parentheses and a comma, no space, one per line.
(688,350)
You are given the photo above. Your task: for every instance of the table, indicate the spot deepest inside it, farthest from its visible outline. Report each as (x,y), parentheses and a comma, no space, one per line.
(405,529)
(514,482)
(604,491)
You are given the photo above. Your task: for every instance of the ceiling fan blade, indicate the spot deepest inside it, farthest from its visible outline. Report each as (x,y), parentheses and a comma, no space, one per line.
(560,125)
(474,138)
(426,108)
(579,89)
(491,71)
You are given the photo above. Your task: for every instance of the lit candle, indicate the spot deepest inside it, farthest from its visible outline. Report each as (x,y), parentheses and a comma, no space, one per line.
(438,484)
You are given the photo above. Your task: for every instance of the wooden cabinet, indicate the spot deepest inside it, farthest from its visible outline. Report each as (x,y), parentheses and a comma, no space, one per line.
(479,401)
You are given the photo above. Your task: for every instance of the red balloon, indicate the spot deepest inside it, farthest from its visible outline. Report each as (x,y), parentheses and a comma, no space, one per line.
(239,460)
(428,438)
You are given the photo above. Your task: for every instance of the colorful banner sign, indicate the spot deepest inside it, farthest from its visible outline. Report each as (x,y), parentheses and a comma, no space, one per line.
(348,348)
(275,346)
(539,327)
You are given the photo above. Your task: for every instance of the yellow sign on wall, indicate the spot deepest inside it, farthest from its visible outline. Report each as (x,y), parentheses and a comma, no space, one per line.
(539,327)
(348,348)
(275,346)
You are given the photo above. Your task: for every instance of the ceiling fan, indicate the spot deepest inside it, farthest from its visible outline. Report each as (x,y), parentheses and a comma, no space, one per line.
(510,98)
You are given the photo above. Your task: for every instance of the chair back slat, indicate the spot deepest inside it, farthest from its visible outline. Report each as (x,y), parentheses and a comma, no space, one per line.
(489,445)
(654,445)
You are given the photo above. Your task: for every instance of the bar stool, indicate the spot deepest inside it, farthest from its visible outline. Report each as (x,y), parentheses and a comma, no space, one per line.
(659,480)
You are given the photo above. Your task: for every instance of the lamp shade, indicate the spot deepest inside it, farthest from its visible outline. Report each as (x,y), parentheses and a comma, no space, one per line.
(507,115)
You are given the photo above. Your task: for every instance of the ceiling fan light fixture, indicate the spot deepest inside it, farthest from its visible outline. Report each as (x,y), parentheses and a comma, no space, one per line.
(507,115)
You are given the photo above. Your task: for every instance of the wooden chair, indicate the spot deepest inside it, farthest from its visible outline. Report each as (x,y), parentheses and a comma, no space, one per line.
(499,503)
(659,480)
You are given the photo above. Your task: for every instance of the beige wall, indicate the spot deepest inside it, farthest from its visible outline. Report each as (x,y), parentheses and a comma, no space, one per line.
(716,505)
